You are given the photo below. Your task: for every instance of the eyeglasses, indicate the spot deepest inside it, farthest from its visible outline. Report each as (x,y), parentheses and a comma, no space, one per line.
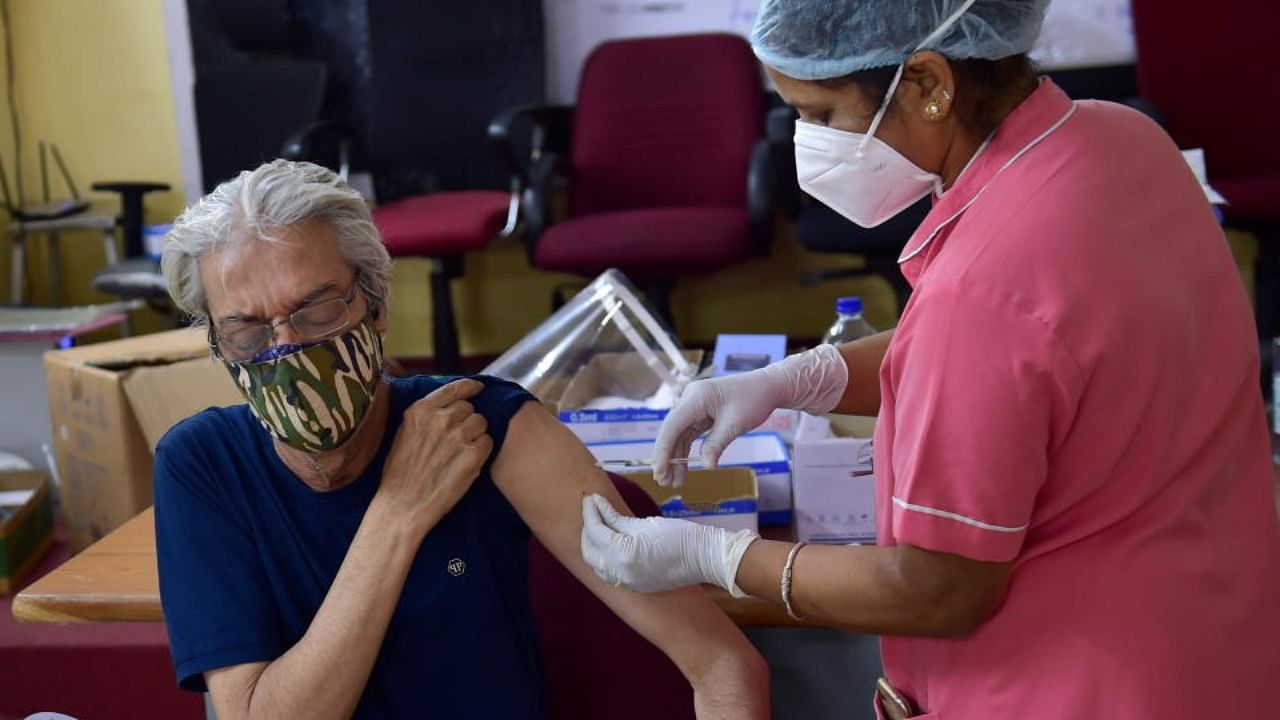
(241,342)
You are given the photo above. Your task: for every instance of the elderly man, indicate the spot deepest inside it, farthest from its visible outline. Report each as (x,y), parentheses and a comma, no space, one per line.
(350,545)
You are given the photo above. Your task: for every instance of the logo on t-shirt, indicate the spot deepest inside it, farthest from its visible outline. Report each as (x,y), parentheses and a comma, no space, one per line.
(457,566)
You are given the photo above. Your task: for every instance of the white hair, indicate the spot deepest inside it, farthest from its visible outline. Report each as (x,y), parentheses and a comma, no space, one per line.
(257,205)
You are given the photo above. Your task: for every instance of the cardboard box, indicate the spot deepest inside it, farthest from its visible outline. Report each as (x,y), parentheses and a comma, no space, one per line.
(725,497)
(27,533)
(763,453)
(614,375)
(833,482)
(109,404)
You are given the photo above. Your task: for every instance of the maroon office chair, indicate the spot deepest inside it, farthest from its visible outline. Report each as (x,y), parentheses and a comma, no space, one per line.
(444,227)
(595,665)
(1194,63)
(668,172)
(441,226)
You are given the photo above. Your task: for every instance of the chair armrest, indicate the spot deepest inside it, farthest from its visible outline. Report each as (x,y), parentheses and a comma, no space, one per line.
(780,125)
(528,140)
(544,173)
(549,130)
(532,142)
(761,177)
(780,128)
(301,145)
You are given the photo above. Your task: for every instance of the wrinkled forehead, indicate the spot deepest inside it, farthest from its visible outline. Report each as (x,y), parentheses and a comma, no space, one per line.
(269,273)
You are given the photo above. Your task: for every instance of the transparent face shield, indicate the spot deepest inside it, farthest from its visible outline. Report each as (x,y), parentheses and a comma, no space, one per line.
(608,316)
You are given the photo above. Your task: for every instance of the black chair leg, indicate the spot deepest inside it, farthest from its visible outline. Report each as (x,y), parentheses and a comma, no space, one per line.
(444,328)
(1267,284)
(1266,281)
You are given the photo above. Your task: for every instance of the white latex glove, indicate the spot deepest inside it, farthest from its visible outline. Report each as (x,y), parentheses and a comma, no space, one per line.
(655,554)
(812,381)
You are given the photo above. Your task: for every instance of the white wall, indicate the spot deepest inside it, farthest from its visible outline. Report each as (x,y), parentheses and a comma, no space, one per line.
(182,85)
(1083,33)
(574,27)
(1077,33)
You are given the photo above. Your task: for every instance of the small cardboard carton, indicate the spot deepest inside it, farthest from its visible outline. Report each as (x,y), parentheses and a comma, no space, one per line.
(724,497)
(621,375)
(765,454)
(26,525)
(834,487)
(109,405)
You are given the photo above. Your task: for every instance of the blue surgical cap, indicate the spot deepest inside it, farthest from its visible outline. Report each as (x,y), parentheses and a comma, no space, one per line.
(823,39)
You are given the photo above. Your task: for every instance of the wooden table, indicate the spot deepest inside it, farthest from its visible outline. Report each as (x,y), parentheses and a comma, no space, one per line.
(115,580)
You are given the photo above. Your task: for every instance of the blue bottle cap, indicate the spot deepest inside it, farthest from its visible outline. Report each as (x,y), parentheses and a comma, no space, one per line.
(849,305)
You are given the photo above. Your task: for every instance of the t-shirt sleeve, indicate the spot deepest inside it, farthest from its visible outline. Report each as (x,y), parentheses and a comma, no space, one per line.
(498,403)
(214,590)
(980,390)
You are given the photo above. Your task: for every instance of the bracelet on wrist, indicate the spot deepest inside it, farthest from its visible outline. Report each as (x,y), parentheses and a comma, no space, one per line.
(787,569)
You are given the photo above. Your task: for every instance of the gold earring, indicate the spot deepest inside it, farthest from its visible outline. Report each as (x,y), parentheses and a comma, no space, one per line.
(933,110)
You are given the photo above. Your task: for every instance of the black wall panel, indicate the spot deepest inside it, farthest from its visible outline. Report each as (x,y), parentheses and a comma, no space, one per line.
(419,80)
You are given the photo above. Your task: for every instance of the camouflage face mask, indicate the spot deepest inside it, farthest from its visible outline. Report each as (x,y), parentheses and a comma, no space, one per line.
(313,397)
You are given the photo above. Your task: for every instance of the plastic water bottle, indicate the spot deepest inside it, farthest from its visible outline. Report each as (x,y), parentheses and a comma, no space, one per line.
(849,324)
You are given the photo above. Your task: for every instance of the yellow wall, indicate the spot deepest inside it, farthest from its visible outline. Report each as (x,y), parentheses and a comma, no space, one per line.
(6,151)
(93,77)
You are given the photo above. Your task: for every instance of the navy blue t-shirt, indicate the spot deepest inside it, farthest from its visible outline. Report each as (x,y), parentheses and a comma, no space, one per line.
(247,553)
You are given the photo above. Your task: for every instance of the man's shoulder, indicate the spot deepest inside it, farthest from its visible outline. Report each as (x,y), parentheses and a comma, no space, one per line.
(499,398)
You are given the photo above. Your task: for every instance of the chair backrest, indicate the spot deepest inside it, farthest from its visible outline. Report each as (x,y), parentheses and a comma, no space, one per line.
(665,122)
(245,67)
(281,95)
(595,665)
(439,73)
(1200,63)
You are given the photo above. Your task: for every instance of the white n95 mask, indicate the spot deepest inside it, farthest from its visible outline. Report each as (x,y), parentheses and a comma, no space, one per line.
(858,175)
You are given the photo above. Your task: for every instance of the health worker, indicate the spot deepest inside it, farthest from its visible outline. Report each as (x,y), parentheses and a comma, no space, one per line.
(1073,474)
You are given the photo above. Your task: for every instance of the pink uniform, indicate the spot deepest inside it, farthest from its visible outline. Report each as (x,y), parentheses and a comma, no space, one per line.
(1074,387)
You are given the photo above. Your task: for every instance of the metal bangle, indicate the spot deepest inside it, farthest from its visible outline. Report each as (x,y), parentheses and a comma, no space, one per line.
(786,580)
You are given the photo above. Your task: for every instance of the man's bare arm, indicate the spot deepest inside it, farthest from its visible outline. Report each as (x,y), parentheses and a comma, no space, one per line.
(545,471)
